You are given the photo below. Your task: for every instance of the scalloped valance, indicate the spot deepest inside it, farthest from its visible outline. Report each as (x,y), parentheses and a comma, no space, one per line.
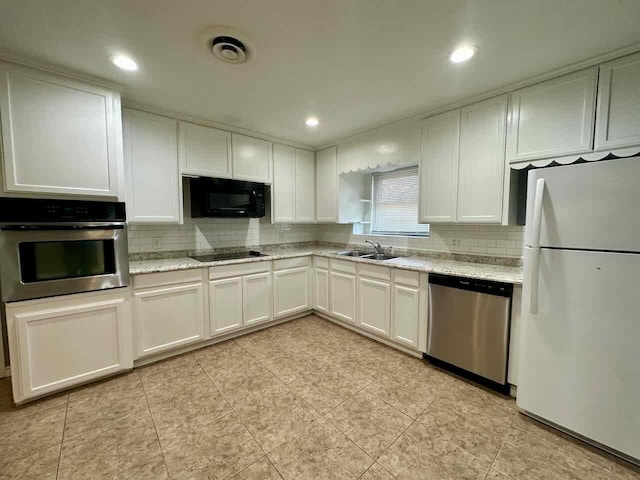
(586,157)
(398,144)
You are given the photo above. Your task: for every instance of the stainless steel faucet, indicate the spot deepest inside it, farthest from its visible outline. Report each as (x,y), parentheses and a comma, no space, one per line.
(378,248)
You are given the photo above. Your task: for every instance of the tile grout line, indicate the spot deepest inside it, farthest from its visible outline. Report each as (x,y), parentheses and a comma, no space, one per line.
(64,427)
(155,429)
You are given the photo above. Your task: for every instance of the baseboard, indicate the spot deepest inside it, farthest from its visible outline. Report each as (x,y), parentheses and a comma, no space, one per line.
(361,331)
(222,338)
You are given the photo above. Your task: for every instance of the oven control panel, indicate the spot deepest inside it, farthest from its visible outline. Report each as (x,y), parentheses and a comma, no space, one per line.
(30,210)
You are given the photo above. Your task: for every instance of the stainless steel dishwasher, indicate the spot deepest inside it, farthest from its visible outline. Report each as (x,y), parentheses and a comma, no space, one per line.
(469,323)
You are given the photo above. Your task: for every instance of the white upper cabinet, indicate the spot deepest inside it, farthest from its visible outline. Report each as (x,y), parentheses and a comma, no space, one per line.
(204,151)
(439,168)
(481,166)
(251,158)
(618,118)
(327,186)
(60,136)
(553,118)
(283,190)
(151,168)
(293,189)
(305,186)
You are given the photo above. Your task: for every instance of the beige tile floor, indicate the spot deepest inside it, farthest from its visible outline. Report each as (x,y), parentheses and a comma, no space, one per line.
(302,400)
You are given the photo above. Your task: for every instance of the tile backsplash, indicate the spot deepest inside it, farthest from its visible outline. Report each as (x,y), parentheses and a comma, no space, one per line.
(475,239)
(209,233)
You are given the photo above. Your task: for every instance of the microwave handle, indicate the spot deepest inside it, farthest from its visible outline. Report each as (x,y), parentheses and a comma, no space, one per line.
(254,200)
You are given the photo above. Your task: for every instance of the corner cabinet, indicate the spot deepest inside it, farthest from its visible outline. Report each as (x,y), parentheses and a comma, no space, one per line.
(327,185)
(321,285)
(59,135)
(618,116)
(291,286)
(204,151)
(252,158)
(481,168)
(553,118)
(154,187)
(65,341)
(439,168)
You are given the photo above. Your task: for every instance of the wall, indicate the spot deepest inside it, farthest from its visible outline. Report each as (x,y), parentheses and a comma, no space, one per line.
(208,233)
(476,239)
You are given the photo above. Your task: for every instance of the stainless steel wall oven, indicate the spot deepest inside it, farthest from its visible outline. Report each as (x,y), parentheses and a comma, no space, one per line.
(58,247)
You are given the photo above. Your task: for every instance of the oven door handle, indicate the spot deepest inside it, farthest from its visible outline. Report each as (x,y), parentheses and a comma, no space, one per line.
(23,228)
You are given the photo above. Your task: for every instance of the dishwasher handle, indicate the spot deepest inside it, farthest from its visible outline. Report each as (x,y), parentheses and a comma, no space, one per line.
(473,285)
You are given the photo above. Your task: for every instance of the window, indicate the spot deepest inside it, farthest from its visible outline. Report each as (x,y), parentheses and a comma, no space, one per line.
(395,204)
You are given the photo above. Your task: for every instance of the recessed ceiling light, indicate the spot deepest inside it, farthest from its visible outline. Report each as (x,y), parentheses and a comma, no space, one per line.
(312,122)
(462,54)
(124,62)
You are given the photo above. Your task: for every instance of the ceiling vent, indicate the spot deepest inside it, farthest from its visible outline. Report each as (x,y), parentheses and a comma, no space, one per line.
(227,44)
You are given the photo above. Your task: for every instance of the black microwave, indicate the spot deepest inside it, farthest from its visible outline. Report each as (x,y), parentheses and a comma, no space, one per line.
(219,197)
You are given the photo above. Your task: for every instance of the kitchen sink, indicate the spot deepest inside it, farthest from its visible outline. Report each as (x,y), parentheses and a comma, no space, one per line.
(378,256)
(351,253)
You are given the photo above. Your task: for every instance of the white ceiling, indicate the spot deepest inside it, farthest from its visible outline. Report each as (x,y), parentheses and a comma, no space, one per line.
(356,64)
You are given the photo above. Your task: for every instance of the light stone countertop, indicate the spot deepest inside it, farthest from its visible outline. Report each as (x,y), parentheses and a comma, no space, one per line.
(483,271)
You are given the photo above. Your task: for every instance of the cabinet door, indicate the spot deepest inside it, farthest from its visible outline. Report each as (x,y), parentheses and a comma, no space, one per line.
(305,186)
(374,305)
(59,135)
(57,344)
(151,161)
(553,118)
(204,151)
(439,168)
(256,295)
(321,285)
(225,305)
(481,165)
(327,186)
(167,318)
(406,315)
(291,291)
(251,159)
(343,296)
(284,187)
(618,118)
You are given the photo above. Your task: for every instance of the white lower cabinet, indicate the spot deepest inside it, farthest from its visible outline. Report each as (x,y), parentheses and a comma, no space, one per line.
(168,317)
(342,283)
(374,299)
(240,295)
(256,298)
(406,311)
(291,286)
(225,305)
(321,285)
(61,342)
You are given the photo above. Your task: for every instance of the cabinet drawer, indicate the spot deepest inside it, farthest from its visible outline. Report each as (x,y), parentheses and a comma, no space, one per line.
(291,263)
(321,262)
(159,279)
(343,266)
(406,277)
(374,271)
(239,269)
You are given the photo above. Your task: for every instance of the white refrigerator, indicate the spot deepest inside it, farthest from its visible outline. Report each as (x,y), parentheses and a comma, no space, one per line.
(580,337)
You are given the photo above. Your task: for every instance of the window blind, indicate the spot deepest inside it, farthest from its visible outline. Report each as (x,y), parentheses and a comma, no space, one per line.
(395,203)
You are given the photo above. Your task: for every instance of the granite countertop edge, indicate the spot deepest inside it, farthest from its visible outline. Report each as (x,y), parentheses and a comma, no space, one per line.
(481,271)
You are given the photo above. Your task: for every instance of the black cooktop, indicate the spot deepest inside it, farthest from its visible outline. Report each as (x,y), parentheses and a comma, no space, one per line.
(228,256)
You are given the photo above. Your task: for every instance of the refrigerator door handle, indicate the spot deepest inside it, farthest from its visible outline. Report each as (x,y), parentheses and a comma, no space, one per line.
(537,214)
(532,279)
